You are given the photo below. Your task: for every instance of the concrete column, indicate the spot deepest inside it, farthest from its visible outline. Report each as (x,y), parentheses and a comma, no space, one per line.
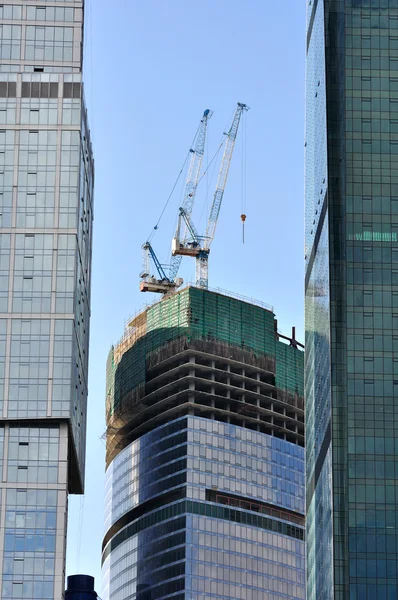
(192,372)
(212,378)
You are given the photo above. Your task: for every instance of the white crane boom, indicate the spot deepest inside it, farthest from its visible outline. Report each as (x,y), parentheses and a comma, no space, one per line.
(223,174)
(182,233)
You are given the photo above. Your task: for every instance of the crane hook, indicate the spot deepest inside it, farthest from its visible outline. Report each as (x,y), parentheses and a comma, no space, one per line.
(243,217)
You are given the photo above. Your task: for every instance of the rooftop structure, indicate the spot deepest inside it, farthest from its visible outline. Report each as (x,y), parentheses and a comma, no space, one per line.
(80,587)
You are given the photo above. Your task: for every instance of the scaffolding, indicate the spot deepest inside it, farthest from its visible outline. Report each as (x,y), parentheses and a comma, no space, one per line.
(198,314)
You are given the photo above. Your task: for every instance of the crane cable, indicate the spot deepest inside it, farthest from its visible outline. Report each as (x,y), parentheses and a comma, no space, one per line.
(206,202)
(212,160)
(206,172)
(155,227)
(244,167)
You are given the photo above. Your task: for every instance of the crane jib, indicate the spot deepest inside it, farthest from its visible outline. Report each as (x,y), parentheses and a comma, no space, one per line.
(187,241)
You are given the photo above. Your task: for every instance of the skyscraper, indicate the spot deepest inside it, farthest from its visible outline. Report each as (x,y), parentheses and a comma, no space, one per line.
(204,489)
(351,287)
(46,189)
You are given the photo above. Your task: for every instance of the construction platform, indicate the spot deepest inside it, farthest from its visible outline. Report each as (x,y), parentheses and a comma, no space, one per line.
(209,354)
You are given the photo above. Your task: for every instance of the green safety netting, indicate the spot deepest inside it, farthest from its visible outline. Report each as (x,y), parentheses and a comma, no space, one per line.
(204,315)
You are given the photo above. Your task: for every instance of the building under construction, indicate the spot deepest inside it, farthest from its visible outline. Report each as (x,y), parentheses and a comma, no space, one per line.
(205,462)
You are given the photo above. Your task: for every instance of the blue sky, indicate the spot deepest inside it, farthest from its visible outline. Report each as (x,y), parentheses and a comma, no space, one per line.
(152,67)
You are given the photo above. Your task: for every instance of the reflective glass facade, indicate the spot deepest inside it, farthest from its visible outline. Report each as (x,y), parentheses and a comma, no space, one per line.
(205,454)
(179,522)
(46,195)
(351,298)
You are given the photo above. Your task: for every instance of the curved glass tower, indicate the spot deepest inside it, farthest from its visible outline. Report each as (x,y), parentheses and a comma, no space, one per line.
(205,464)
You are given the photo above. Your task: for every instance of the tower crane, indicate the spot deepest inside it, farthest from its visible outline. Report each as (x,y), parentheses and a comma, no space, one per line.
(196,245)
(169,282)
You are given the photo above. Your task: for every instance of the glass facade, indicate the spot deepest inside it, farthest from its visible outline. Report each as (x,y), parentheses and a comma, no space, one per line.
(351,298)
(198,509)
(46,196)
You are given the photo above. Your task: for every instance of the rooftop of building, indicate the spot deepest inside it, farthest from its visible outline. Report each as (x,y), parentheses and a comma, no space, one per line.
(132,323)
(209,353)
